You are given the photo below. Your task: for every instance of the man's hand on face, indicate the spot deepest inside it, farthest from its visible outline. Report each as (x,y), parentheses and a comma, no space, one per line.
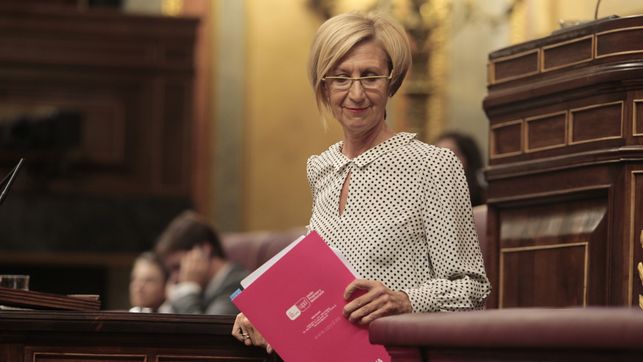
(195,267)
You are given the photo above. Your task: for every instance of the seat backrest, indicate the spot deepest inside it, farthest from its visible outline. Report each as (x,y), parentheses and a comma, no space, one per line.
(253,248)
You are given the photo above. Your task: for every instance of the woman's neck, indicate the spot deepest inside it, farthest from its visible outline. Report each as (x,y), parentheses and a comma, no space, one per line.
(356,144)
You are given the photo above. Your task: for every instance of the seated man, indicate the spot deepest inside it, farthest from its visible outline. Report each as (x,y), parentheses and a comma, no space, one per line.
(201,279)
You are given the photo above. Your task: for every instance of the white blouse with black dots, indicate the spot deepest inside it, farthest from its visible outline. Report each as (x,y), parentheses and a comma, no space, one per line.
(407,221)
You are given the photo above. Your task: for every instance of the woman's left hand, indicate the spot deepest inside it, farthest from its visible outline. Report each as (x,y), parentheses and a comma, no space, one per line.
(377,301)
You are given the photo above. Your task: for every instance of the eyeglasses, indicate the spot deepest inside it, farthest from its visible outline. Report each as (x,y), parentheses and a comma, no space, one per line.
(371,82)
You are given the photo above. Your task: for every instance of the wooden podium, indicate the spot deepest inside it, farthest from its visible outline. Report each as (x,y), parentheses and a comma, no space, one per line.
(566,168)
(56,336)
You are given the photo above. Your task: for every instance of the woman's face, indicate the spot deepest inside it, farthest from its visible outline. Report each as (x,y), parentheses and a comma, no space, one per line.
(147,286)
(358,109)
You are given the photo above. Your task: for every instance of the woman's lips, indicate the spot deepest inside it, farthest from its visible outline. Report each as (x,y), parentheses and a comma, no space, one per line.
(356,110)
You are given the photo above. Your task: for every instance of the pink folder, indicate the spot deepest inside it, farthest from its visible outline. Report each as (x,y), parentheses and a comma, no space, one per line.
(297,303)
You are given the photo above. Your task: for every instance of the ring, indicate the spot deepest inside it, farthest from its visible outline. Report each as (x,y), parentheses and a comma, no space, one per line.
(245,335)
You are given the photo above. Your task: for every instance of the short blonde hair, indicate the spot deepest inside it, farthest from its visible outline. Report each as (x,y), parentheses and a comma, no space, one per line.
(339,34)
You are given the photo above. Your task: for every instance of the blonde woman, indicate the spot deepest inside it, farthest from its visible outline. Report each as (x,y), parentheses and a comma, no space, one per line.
(396,208)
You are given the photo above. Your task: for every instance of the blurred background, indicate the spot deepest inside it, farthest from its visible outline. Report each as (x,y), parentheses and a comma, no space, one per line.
(130,111)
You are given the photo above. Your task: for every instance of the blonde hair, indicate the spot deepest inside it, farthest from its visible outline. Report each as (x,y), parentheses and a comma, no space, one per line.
(339,34)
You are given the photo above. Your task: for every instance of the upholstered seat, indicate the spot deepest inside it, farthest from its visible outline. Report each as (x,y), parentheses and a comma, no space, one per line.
(251,249)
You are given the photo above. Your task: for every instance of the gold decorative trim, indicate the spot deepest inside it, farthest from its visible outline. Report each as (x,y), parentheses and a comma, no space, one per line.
(597,56)
(639,267)
(556,45)
(514,56)
(635,131)
(519,249)
(138,356)
(492,144)
(190,357)
(570,141)
(536,118)
(630,273)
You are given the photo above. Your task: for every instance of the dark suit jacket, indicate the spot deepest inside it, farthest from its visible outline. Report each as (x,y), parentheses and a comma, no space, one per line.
(215,299)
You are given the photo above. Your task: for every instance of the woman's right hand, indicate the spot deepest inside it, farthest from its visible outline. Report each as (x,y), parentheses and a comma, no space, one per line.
(245,332)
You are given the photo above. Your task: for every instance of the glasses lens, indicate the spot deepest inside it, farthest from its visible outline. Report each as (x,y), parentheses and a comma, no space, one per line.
(370,82)
(341,83)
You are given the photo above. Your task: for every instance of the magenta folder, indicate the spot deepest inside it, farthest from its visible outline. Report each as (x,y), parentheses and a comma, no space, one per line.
(296,302)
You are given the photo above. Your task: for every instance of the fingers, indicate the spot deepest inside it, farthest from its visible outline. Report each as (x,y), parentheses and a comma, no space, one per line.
(363,292)
(377,301)
(245,332)
(194,266)
(352,290)
(237,331)
(241,328)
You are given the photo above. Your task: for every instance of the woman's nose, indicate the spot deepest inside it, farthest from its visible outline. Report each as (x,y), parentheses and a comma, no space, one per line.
(356,91)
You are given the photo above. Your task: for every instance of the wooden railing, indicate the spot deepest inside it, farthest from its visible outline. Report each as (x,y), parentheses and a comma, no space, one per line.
(51,336)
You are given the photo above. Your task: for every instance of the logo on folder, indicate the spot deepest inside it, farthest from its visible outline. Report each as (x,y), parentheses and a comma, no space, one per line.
(295,311)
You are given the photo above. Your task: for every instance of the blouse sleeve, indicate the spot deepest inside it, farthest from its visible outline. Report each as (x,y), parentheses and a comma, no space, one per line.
(458,281)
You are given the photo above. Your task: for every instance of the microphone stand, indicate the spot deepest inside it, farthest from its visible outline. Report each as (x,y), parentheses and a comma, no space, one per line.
(9,180)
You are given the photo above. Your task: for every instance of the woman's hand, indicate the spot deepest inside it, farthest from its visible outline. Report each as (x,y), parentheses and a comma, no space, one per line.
(244,331)
(376,301)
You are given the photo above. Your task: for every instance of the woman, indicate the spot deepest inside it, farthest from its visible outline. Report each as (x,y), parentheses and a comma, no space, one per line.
(147,283)
(467,151)
(396,208)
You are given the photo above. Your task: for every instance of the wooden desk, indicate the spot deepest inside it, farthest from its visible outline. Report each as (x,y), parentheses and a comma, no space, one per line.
(44,336)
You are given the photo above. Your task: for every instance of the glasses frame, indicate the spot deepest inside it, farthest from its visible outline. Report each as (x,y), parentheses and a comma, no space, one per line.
(353,79)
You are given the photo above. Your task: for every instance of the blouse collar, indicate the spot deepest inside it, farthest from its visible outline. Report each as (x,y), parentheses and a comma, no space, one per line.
(340,160)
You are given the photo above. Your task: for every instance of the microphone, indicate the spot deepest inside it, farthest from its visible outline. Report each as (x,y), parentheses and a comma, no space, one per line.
(9,180)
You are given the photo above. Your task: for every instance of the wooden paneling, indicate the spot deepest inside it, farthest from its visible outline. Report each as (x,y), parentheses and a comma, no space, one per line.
(548,253)
(564,204)
(568,53)
(99,104)
(560,128)
(627,40)
(506,139)
(596,122)
(515,66)
(637,118)
(558,275)
(129,81)
(636,241)
(547,131)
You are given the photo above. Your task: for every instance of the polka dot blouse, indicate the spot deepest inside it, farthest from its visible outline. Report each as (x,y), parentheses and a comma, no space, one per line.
(407,221)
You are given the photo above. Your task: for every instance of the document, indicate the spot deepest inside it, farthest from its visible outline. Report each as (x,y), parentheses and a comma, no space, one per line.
(296,301)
